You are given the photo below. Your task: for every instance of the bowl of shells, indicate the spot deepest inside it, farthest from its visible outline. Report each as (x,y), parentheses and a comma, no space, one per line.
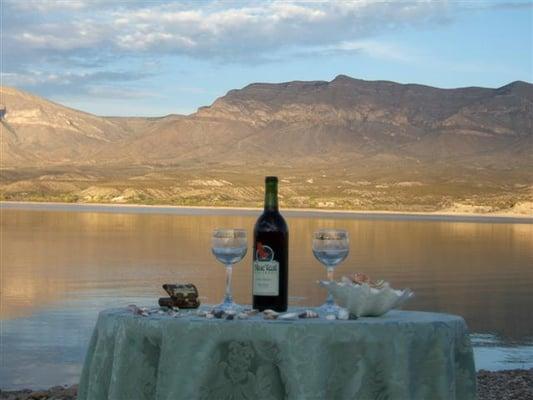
(363,297)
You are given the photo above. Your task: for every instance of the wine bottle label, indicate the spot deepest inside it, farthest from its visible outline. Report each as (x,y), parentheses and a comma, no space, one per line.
(265,272)
(266,278)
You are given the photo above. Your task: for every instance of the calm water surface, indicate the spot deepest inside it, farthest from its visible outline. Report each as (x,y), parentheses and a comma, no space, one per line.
(59,268)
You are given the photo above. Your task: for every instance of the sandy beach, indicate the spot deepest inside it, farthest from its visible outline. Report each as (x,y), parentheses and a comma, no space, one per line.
(511,217)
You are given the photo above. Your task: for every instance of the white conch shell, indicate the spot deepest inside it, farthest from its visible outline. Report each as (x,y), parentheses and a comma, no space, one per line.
(365,301)
(288,316)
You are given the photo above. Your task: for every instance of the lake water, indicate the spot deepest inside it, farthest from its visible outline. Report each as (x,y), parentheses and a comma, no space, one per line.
(61,264)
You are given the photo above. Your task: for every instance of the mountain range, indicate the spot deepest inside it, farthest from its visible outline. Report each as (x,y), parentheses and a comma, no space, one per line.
(344,136)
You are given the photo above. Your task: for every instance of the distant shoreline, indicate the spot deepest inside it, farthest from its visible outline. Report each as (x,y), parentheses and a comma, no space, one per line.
(290,212)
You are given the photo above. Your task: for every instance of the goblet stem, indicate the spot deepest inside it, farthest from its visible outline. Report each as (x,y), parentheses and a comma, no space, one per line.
(227,297)
(329,300)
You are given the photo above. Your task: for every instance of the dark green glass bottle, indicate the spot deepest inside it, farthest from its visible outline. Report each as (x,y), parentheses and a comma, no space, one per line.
(270,277)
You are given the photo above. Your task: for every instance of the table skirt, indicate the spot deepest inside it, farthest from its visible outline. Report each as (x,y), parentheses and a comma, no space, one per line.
(402,355)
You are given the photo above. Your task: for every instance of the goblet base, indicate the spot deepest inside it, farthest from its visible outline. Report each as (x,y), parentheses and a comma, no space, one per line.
(329,308)
(228,306)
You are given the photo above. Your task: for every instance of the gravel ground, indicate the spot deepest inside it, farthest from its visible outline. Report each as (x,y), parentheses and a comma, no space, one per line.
(54,393)
(502,385)
(514,384)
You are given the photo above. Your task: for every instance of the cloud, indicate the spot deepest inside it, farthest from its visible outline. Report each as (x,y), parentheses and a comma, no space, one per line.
(121,93)
(500,4)
(46,6)
(225,31)
(73,44)
(377,49)
(92,83)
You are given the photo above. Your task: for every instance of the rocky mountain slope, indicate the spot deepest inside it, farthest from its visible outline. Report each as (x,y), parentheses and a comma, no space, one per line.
(346,143)
(368,119)
(288,122)
(36,131)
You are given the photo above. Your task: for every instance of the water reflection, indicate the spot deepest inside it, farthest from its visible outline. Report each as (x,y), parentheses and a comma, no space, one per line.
(481,271)
(58,267)
(492,354)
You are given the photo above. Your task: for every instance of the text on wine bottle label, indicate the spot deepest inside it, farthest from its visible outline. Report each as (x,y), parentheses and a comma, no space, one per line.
(266,278)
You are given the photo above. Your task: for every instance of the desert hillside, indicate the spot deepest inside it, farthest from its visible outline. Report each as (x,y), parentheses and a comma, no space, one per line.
(346,143)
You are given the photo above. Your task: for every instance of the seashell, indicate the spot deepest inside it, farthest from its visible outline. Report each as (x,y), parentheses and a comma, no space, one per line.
(346,281)
(308,314)
(288,316)
(143,311)
(134,309)
(360,278)
(343,314)
(230,316)
(331,317)
(363,300)
(378,284)
(243,315)
(270,314)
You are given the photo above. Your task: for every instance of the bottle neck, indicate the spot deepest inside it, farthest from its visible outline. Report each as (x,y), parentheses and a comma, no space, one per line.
(271,196)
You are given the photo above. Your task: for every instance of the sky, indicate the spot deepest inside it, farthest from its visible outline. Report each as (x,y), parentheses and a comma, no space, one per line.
(152,58)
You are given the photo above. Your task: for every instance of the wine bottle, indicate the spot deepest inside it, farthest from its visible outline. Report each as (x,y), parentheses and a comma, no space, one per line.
(270,254)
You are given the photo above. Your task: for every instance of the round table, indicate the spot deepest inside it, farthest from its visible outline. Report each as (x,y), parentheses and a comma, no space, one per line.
(404,355)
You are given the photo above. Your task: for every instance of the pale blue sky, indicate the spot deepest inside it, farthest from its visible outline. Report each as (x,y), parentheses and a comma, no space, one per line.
(155,58)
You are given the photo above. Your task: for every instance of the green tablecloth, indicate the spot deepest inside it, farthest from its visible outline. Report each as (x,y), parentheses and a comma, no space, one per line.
(402,355)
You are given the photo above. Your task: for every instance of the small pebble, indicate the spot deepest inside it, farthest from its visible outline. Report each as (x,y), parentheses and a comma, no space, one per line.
(243,315)
(218,314)
(308,314)
(230,317)
(136,310)
(331,317)
(39,395)
(210,316)
(270,314)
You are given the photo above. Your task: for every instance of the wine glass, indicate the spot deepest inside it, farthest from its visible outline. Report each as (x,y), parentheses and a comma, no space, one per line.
(229,247)
(330,247)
